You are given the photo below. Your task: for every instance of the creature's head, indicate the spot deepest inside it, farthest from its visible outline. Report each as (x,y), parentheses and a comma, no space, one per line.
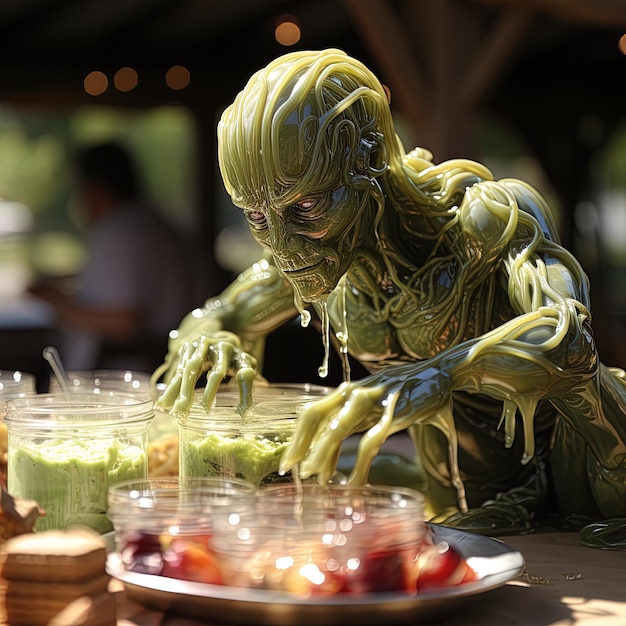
(300,150)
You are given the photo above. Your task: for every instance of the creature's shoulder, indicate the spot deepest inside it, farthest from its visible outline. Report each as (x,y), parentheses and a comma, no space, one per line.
(532,202)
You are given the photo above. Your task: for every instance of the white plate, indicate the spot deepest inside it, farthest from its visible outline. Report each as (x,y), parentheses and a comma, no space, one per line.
(495,561)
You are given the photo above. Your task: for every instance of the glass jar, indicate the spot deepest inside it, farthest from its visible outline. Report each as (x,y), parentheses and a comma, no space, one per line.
(218,441)
(13,384)
(163,432)
(223,443)
(64,450)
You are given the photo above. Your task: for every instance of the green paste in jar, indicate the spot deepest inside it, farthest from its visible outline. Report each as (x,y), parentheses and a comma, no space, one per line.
(253,458)
(70,479)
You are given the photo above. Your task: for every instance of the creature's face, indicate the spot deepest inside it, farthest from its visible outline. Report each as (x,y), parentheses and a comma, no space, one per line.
(315,239)
(298,152)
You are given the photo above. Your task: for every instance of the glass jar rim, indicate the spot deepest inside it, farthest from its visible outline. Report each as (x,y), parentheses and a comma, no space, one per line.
(266,411)
(235,425)
(228,395)
(60,410)
(277,389)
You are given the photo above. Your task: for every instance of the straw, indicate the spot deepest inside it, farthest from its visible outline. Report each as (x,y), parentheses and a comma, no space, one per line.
(51,354)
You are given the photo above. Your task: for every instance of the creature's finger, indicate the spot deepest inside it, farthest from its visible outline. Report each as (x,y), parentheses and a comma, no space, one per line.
(371,442)
(192,369)
(245,380)
(171,392)
(245,361)
(352,418)
(227,337)
(222,352)
(309,422)
(246,367)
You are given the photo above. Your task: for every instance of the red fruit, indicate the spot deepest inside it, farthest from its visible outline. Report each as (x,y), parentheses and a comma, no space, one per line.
(441,565)
(187,560)
(142,552)
(376,572)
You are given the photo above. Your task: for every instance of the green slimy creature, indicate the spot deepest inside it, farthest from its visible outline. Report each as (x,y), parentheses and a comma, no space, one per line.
(450,287)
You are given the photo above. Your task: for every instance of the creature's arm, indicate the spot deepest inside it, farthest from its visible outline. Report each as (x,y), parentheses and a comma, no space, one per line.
(542,352)
(225,336)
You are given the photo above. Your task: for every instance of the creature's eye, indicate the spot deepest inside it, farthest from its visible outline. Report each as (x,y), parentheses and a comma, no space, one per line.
(308,209)
(256,219)
(307,204)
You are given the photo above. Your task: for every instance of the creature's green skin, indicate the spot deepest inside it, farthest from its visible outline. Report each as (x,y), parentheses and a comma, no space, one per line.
(450,287)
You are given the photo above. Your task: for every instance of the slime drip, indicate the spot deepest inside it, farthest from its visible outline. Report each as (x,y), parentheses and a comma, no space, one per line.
(323,369)
(342,335)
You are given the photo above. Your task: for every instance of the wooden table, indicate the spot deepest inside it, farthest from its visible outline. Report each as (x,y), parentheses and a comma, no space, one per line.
(564,585)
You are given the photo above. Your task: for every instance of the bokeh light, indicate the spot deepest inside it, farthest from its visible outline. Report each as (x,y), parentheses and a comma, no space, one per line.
(126,79)
(287,31)
(96,83)
(177,77)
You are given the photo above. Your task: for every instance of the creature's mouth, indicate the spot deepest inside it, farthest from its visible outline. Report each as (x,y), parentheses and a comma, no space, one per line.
(303,271)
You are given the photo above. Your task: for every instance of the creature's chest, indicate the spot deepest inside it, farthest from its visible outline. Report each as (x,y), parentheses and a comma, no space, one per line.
(402,325)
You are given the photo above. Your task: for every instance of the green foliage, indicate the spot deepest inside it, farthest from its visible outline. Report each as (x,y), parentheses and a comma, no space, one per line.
(613,160)
(35,150)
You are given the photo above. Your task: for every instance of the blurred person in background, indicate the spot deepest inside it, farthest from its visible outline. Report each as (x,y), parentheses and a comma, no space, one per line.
(138,281)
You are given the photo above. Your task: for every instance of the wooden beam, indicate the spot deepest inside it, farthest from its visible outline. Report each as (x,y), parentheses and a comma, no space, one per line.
(452,29)
(493,54)
(605,13)
(383,33)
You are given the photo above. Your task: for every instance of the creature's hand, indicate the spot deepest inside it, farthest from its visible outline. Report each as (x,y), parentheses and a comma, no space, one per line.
(253,305)
(227,336)
(219,354)
(378,406)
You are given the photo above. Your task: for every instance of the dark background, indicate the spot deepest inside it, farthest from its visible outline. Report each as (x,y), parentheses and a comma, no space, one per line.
(549,69)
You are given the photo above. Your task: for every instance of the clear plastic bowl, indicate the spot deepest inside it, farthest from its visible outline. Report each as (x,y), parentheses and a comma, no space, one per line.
(159,505)
(322,540)
(163,526)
